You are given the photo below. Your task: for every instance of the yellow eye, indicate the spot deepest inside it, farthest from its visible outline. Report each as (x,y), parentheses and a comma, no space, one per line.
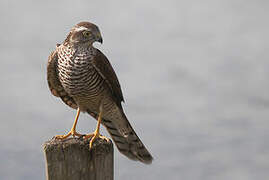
(87,33)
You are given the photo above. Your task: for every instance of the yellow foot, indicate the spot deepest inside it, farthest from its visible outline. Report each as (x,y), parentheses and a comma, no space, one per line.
(95,136)
(72,132)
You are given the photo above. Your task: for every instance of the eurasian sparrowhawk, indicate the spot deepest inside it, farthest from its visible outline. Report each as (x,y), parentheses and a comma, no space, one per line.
(83,78)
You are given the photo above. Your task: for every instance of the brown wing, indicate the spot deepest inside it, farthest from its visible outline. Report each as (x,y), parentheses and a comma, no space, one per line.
(55,85)
(102,65)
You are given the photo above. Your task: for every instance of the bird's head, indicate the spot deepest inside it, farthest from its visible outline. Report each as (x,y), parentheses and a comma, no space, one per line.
(84,33)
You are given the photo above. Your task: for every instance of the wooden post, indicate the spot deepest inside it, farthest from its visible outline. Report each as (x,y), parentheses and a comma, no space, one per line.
(72,159)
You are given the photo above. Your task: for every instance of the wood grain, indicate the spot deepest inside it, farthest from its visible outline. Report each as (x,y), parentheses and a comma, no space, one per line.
(72,159)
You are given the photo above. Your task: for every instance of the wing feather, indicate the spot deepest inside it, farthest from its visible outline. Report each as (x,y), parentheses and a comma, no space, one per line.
(104,68)
(55,85)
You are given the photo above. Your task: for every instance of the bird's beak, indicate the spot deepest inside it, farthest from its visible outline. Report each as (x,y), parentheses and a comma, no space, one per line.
(99,38)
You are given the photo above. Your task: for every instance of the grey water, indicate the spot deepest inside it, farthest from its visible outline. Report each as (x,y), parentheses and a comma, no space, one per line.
(194,75)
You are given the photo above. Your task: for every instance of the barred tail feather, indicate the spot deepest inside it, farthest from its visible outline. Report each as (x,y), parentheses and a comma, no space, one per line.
(128,144)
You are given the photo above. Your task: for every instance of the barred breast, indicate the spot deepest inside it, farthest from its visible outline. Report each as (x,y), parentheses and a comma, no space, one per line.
(79,78)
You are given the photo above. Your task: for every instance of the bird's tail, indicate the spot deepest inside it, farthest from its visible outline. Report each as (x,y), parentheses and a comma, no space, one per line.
(127,142)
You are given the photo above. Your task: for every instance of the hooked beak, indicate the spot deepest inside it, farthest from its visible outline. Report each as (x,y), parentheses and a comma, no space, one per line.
(99,38)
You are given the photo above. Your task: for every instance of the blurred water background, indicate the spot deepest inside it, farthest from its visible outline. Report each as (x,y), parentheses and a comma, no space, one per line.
(194,75)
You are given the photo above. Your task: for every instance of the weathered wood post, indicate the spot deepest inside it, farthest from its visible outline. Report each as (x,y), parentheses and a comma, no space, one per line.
(72,159)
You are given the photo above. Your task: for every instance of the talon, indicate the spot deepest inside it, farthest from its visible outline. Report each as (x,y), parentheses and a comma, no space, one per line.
(61,137)
(82,136)
(105,138)
(95,136)
(93,139)
(88,136)
(72,131)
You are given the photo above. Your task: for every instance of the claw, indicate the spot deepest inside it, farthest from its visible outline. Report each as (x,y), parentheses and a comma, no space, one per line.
(72,131)
(93,137)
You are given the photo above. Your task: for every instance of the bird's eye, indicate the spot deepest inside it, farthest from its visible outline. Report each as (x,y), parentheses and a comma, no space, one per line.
(87,33)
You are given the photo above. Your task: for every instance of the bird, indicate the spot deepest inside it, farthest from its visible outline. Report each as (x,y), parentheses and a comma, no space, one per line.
(83,78)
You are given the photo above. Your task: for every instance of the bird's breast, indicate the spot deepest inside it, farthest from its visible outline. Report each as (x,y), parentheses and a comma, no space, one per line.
(75,71)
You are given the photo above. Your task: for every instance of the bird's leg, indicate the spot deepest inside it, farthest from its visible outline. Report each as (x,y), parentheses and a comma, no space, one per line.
(73,129)
(96,133)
